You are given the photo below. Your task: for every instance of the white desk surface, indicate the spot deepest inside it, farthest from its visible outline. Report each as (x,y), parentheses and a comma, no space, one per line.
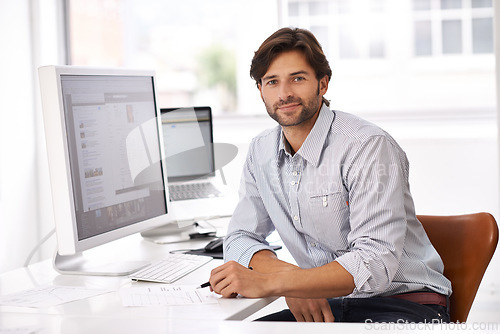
(106,314)
(131,248)
(109,306)
(44,323)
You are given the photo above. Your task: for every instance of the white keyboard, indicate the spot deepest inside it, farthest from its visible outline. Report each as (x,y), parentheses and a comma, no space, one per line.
(171,268)
(184,191)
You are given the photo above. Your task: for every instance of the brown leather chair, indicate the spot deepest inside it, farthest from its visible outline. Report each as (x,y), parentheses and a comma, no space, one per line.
(466,244)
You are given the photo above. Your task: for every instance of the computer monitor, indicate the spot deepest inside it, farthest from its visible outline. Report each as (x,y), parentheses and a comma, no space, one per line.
(106,161)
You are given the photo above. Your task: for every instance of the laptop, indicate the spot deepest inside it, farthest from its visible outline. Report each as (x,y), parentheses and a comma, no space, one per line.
(197,187)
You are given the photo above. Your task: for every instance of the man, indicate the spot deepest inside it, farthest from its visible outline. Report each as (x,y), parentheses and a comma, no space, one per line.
(335,187)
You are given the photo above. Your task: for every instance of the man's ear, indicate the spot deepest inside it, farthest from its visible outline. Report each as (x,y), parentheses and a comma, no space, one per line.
(323,85)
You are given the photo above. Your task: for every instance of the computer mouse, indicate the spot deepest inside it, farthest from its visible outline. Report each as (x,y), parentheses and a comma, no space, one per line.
(214,246)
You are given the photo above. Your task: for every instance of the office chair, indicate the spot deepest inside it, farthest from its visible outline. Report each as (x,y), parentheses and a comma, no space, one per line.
(466,244)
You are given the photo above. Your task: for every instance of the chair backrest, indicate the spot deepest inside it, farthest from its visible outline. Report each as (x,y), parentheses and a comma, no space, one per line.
(466,244)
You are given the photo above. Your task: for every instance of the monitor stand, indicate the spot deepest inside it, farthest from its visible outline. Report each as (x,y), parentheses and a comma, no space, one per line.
(77,264)
(179,232)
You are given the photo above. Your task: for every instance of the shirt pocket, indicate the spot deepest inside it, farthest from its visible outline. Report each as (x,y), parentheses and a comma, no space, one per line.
(329,218)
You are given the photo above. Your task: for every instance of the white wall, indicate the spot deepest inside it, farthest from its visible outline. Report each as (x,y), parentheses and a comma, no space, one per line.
(250,15)
(18,186)
(28,36)
(496,36)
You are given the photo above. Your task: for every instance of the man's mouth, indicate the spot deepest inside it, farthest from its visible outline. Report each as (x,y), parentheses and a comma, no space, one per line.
(289,107)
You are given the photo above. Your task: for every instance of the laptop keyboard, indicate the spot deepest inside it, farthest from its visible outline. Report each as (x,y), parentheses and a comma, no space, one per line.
(192,191)
(171,268)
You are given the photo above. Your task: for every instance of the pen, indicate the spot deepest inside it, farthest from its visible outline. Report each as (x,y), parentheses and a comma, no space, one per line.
(204,285)
(207,284)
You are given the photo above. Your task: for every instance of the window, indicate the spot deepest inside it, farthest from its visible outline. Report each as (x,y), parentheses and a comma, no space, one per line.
(482,35)
(452,36)
(387,56)
(451,4)
(423,38)
(404,56)
(348,29)
(450,27)
(421,4)
(190,44)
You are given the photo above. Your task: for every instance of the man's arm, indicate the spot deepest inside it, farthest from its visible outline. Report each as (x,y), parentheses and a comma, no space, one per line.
(250,224)
(291,281)
(330,280)
(266,261)
(376,178)
(304,310)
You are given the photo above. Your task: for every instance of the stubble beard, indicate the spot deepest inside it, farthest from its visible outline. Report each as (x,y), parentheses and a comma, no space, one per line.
(309,109)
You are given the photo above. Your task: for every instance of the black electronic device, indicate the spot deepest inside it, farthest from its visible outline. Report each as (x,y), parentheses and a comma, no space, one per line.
(215,249)
(214,246)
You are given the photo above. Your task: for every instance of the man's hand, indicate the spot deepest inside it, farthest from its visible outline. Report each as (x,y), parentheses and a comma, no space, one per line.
(310,310)
(231,279)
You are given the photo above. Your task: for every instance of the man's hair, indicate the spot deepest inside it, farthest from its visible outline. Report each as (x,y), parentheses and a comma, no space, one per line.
(288,39)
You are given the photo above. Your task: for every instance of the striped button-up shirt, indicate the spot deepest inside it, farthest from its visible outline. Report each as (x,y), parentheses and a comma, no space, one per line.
(343,196)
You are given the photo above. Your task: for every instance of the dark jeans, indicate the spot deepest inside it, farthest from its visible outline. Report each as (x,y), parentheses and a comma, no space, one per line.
(376,309)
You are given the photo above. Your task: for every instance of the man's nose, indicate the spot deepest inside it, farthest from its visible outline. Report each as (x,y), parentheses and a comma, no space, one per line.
(285,91)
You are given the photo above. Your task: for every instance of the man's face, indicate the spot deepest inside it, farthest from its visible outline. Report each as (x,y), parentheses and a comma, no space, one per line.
(290,90)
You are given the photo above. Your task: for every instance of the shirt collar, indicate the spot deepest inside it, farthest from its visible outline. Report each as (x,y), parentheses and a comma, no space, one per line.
(313,145)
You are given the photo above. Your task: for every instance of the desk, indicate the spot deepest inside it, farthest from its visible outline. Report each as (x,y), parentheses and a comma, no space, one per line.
(109,305)
(46,323)
(105,313)
(98,324)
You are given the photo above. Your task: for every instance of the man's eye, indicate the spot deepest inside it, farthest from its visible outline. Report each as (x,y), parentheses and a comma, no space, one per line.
(298,79)
(272,82)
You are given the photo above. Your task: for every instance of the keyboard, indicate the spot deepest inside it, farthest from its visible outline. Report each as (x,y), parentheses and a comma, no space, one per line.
(192,191)
(171,268)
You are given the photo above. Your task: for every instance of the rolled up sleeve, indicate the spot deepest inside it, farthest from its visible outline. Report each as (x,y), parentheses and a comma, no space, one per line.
(376,180)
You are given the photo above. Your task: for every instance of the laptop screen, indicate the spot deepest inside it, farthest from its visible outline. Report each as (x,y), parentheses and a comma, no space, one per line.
(188,138)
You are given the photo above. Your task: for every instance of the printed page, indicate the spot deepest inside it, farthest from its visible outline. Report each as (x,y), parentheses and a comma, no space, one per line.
(47,296)
(162,295)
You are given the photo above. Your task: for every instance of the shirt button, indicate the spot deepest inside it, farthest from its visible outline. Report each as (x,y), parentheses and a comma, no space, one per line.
(295,217)
(292,183)
(313,244)
(294,173)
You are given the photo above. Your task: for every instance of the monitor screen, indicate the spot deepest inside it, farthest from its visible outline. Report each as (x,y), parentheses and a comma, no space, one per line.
(188,140)
(105,150)
(107,119)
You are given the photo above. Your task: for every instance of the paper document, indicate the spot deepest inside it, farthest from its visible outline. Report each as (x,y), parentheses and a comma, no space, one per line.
(47,296)
(163,295)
